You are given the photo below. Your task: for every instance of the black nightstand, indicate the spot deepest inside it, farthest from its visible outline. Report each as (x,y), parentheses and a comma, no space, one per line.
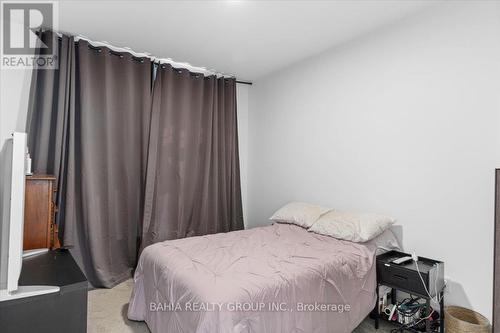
(406,278)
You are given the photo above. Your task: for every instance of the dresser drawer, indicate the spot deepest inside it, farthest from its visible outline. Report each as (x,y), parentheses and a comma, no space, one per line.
(400,278)
(39,212)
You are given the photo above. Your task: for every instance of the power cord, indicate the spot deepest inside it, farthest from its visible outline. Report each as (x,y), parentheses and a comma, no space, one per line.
(437,298)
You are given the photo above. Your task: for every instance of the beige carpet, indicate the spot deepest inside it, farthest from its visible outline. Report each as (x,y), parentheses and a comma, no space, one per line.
(107,312)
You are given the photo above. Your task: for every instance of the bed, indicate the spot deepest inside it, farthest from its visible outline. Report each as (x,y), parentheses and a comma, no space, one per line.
(278,278)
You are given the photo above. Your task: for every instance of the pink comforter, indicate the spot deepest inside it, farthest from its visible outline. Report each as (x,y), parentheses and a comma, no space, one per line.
(278,278)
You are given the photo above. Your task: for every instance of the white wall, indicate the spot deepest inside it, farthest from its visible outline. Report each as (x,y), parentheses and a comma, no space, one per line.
(14,93)
(242,91)
(404,121)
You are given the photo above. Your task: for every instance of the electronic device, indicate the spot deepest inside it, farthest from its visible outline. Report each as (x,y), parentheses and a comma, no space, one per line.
(12,218)
(389,311)
(402,260)
(409,311)
(384,293)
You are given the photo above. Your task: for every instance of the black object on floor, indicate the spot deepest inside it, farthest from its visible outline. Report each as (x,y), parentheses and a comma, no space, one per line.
(65,311)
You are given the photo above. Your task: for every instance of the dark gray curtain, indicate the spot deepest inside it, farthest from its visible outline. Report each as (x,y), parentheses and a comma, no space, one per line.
(48,109)
(133,165)
(89,125)
(193,182)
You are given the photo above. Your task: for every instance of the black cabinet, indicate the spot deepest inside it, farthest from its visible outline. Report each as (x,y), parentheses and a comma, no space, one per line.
(65,311)
(423,279)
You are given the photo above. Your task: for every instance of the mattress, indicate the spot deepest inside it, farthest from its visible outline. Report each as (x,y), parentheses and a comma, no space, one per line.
(278,278)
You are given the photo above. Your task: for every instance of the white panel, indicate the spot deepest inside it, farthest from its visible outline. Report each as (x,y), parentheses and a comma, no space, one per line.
(5,169)
(16,210)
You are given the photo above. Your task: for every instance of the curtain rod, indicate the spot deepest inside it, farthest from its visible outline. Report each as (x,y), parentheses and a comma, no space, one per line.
(153,58)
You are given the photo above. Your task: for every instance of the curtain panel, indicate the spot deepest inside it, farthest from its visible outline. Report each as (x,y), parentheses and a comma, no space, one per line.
(134,165)
(193,182)
(48,110)
(105,194)
(89,125)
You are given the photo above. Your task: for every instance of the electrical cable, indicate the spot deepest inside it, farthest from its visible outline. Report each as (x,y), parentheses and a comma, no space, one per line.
(437,298)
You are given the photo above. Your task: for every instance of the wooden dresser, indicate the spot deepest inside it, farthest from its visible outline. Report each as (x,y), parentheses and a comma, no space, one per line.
(40,230)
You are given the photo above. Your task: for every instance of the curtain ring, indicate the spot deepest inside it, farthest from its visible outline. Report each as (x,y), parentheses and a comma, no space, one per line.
(118,54)
(94,48)
(138,59)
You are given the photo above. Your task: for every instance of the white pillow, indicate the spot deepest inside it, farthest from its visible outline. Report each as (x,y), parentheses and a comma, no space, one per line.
(354,227)
(299,213)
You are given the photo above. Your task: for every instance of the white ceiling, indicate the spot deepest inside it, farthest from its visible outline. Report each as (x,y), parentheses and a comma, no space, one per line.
(246,38)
